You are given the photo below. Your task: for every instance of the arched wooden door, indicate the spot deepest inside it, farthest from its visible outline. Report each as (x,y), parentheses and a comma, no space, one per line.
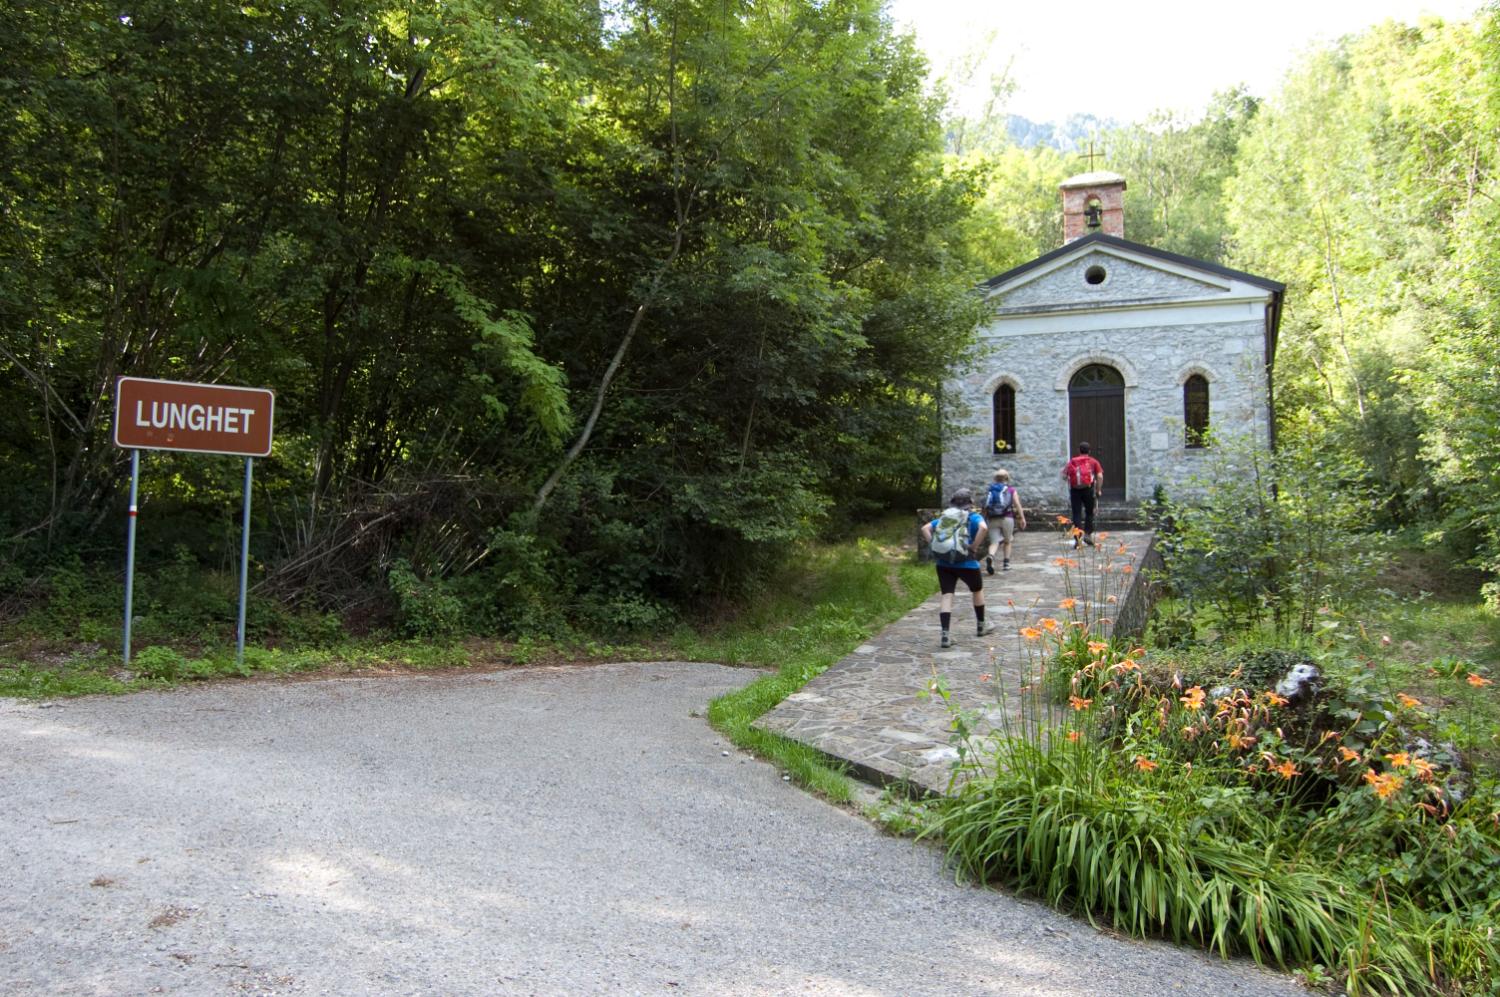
(1096,413)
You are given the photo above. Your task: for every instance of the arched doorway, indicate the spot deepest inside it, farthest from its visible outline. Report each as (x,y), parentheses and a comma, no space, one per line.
(1096,413)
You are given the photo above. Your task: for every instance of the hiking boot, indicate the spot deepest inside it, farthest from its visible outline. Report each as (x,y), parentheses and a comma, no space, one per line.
(986,628)
(989,565)
(1005,564)
(1088,540)
(946,640)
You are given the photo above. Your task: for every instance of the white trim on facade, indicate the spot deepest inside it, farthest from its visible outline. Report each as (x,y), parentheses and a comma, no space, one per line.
(1198,367)
(1154,263)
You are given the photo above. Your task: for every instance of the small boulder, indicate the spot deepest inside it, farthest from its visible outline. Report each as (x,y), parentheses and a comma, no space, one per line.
(1300,683)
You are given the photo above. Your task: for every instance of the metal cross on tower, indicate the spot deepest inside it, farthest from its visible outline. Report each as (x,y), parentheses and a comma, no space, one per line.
(1092,154)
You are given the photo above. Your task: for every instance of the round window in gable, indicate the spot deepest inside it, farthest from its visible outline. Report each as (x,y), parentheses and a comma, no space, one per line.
(1095,274)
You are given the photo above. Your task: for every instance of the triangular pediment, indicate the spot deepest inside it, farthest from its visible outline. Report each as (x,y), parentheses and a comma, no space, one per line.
(1106,272)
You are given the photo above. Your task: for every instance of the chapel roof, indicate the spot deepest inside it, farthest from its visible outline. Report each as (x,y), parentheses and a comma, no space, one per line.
(1095,179)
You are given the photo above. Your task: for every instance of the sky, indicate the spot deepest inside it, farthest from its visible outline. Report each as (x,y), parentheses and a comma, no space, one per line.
(1123,61)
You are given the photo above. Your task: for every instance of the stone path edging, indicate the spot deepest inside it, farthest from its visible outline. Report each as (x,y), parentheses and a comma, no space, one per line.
(872,710)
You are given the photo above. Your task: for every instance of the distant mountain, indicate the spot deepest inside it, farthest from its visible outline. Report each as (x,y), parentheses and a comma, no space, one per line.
(1070,135)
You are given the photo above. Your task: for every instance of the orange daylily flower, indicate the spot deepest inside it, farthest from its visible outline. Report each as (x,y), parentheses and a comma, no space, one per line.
(1407,701)
(1077,532)
(1145,764)
(1067,603)
(1286,769)
(1062,520)
(1476,680)
(1275,700)
(1137,652)
(1079,703)
(1424,768)
(1073,735)
(1238,741)
(1111,598)
(1048,624)
(1122,549)
(1384,785)
(1349,754)
(1126,569)
(1098,646)
(1030,633)
(1194,698)
(1102,535)
(985,677)
(1400,759)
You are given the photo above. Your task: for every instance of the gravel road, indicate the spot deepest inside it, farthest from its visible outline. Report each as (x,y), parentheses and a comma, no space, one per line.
(542,831)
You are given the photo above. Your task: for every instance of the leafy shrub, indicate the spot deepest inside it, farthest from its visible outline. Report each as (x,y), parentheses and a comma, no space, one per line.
(161,663)
(428,610)
(183,598)
(625,614)
(1273,538)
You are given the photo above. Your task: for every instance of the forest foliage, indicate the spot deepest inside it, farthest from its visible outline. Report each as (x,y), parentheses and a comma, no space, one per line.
(576,311)
(572,306)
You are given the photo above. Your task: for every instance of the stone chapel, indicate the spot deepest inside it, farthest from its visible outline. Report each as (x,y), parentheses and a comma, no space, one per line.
(1146,355)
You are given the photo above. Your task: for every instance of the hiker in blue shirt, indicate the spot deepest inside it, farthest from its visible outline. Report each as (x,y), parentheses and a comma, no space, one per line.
(954,538)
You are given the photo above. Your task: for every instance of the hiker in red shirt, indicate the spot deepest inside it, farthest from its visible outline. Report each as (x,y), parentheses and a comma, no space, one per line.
(1085,478)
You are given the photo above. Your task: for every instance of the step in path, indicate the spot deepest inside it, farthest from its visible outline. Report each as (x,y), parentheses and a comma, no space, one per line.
(873,710)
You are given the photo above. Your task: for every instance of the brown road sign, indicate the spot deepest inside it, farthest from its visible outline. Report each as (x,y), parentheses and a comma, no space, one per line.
(203,418)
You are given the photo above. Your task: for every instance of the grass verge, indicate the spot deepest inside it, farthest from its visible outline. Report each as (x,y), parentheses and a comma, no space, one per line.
(824,606)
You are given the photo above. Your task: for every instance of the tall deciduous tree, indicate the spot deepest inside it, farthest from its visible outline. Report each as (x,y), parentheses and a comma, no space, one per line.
(668,267)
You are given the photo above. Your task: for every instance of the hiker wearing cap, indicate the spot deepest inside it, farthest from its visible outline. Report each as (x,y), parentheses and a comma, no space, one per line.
(1003,511)
(955,538)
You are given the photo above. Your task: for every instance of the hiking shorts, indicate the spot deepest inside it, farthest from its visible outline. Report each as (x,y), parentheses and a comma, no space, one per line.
(948,579)
(1002,529)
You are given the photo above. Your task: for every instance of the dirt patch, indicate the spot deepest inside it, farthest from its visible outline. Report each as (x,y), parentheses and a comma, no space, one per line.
(1409,573)
(170,916)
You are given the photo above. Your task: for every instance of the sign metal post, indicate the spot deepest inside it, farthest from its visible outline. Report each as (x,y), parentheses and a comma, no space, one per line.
(239,643)
(135,479)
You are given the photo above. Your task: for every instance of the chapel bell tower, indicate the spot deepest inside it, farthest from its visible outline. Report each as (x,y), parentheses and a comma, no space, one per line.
(1093,202)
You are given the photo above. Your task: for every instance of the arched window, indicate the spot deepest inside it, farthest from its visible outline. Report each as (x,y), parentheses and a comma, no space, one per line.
(1195,410)
(1005,419)
(1097,377)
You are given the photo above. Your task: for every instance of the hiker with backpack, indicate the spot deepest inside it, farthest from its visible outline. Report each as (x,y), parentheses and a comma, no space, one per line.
(955,538)
(1002,508)
(1085,478)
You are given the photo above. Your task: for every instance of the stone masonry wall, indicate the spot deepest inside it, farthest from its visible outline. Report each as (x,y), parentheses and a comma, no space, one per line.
(1154,361)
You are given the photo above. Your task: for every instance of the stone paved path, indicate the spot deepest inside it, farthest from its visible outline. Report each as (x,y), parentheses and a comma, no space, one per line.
(869,710)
